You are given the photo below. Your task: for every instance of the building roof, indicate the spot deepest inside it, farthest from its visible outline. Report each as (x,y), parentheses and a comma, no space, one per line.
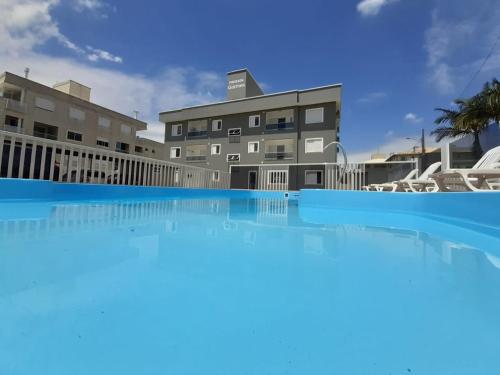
(21,81)
(316,95)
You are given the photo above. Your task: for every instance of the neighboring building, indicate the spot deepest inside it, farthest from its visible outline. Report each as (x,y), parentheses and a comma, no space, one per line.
(65,113)
(430,156)
(253,128)
(149,148)
(458,153)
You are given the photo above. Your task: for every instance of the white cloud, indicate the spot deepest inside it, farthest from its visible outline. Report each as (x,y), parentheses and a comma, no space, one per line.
(413,118)
(81,5)
(457,42)
(29,24)
(372,7)
(96,54)
(372,97)
(393,145)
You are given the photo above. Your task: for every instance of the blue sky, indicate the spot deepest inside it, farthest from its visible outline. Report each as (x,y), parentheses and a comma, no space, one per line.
(397,59)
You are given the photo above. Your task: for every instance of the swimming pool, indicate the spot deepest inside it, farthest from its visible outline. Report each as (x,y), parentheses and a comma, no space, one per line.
(241,283)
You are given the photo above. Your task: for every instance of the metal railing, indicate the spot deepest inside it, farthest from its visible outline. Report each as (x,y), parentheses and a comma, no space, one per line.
(15,105)
(280,126)
(23,156)
(12,129)
(196,158)
(278,155)
(197,133)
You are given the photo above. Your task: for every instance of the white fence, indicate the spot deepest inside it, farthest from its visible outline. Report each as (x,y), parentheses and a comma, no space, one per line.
(23,156)
(283,177)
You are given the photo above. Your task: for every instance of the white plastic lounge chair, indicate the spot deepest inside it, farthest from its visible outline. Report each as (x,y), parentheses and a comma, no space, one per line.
(422,184)
(477,178)
(390,186)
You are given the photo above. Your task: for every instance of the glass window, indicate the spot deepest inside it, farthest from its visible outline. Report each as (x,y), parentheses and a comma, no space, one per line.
(76,114)
(104,123)
(175,152)
(314,115)
(314,178)
(253,147)
(314,145)
(125,129)
(46,104)
(215,149)
(176,130)
(73,136)
(216,125)
(254,121)
(122,147)
(102,142)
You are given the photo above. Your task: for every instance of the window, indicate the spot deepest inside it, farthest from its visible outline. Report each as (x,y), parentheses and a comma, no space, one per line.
(314,115)
(102,142)
(314,145)
(234,135)
(122,147)
(216,176)
(253,147)
(216,125)
(76,114)
(125,129)
(176,130)
(104,123)
(139,149)
(215,149)
(73,136)
(314,178)
(233,157)
(45,104)
(175,152)
(254,121)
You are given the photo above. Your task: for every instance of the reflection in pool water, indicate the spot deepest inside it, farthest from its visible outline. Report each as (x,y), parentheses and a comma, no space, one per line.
(242,287)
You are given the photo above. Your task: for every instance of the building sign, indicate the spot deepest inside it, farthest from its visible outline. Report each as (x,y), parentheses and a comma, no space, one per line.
(236,84)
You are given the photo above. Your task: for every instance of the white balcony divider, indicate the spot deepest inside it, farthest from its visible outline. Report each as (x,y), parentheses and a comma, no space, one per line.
(45,159)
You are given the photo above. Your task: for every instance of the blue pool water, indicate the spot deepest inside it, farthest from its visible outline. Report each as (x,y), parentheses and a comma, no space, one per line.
(243,286)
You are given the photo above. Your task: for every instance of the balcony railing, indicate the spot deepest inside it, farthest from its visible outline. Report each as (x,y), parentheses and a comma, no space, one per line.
(16,106)
(13,129)
(280,126)
(196,158)
(278,155)
(197,133)
(44,135)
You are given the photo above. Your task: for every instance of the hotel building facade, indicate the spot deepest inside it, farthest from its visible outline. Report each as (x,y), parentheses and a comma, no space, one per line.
(251,129)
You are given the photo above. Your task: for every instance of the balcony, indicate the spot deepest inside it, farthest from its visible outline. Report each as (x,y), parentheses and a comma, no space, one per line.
(196,158)
(278,155)
(197,133)
(41,134)
(16,106)
(12,129)
(280,126)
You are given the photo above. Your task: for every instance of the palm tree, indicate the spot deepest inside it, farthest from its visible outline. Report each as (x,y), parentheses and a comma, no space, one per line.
(471,116)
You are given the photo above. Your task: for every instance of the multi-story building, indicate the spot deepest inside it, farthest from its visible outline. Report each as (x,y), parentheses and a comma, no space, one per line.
(64,113)
(251,128)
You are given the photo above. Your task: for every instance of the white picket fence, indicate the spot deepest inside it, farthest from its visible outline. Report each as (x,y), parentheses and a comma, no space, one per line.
(24,156)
